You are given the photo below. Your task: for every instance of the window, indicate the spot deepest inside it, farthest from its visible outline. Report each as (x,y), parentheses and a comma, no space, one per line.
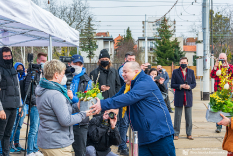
(143,44)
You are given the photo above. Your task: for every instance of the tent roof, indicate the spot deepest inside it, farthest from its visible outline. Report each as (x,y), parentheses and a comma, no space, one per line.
(23,23)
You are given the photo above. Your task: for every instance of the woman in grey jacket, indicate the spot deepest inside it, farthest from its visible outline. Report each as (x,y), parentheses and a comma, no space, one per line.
(56,111)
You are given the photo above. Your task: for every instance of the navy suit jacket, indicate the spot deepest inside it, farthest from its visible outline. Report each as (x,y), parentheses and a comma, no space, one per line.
(176,81)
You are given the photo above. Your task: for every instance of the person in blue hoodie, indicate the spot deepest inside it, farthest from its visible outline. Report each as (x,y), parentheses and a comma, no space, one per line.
(146,109)
(16,148)
(81,82)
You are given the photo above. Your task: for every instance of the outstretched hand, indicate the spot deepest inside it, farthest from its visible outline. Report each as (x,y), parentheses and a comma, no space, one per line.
(96,107)
(225,121)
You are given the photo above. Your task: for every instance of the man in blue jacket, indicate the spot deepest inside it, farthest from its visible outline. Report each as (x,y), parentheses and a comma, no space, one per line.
(183,81)
(81,82)
(146,110)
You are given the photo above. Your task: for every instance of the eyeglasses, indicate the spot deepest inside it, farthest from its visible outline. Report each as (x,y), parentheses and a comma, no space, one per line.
(7,56)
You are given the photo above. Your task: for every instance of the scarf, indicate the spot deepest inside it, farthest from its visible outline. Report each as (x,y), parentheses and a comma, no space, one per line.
(127,88)
(44,83)
(184,77)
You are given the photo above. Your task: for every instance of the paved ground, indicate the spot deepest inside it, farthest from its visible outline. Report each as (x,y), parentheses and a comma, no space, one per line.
(206,141)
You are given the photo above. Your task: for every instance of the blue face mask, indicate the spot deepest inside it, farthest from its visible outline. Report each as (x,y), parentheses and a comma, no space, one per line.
(42,65)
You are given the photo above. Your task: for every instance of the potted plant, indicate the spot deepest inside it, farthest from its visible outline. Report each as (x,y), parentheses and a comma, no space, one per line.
(221,100)
(87,98)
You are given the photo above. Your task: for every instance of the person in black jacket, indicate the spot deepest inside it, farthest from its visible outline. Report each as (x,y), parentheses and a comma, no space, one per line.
(103,133)
(108,78)
(160,83)
(10,98)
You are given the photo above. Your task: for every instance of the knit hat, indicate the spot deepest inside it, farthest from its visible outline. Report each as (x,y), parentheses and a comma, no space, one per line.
(104,53)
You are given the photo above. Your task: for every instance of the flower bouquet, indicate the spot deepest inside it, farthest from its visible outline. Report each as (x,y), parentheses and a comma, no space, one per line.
(87,98)
(221,100)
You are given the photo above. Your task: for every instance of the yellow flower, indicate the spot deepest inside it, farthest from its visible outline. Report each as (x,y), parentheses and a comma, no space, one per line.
(93,95)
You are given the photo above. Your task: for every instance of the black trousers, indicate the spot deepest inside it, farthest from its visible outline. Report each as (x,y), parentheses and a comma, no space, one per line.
(80,139)
(6,129)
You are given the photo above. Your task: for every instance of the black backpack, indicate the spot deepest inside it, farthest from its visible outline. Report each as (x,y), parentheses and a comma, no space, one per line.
(22,88)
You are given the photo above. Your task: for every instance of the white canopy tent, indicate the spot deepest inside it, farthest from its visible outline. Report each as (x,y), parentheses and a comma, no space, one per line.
(23,23)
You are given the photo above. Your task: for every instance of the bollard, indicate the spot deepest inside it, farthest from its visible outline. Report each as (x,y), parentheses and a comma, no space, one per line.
(130,142)
(135,143)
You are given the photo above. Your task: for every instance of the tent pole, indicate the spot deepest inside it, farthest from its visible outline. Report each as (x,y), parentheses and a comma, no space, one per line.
(50,47)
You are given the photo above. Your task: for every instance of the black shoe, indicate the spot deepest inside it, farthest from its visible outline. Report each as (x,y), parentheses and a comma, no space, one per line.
(171,111)
(218,130)
(119,150)
(124,152)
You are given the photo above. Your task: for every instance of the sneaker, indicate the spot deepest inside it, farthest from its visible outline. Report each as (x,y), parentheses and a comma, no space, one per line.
(19,147)
(39,154)
(14,150)
(124,152)
(31,154)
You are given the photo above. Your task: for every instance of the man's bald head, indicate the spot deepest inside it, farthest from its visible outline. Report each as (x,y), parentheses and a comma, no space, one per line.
(133,66)
(223,56)
(130,69)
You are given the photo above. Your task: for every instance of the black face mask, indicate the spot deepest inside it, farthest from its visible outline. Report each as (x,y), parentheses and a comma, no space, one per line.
(104,63)
(160,70)
(20,72)
(8,63)
(183,66)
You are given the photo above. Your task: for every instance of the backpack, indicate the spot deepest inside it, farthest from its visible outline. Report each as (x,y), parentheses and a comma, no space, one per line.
(22,88)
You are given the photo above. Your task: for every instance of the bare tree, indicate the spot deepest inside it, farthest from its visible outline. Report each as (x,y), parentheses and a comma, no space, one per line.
(74,14)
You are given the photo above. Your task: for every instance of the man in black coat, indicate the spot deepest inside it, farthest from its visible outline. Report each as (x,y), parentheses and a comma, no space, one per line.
(106,76)
(103,133)
(10,98)
(183,81)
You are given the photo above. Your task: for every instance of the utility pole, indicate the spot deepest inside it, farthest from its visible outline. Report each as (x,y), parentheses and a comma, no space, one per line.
(146,52)
(206,57)
(212,47)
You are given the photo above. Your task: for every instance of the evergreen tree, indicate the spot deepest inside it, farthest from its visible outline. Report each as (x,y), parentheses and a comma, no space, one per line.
(87,39)
(128,36)
(166,51)
(177,52)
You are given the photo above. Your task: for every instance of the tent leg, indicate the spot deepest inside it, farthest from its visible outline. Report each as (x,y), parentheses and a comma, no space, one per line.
(50,47)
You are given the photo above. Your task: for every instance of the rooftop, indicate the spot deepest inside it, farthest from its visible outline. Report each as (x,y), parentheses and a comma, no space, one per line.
(189,48)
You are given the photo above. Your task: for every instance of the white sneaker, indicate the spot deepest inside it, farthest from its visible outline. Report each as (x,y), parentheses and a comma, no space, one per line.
(31,154)
(39,154)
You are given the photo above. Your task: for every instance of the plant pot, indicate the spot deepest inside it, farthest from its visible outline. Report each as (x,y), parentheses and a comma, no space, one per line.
(215,116)
(85,105)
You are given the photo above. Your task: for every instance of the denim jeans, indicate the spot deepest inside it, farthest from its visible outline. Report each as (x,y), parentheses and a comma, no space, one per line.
(123,125)
(32,135)
(162,147)
(17,134)
(218,126)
